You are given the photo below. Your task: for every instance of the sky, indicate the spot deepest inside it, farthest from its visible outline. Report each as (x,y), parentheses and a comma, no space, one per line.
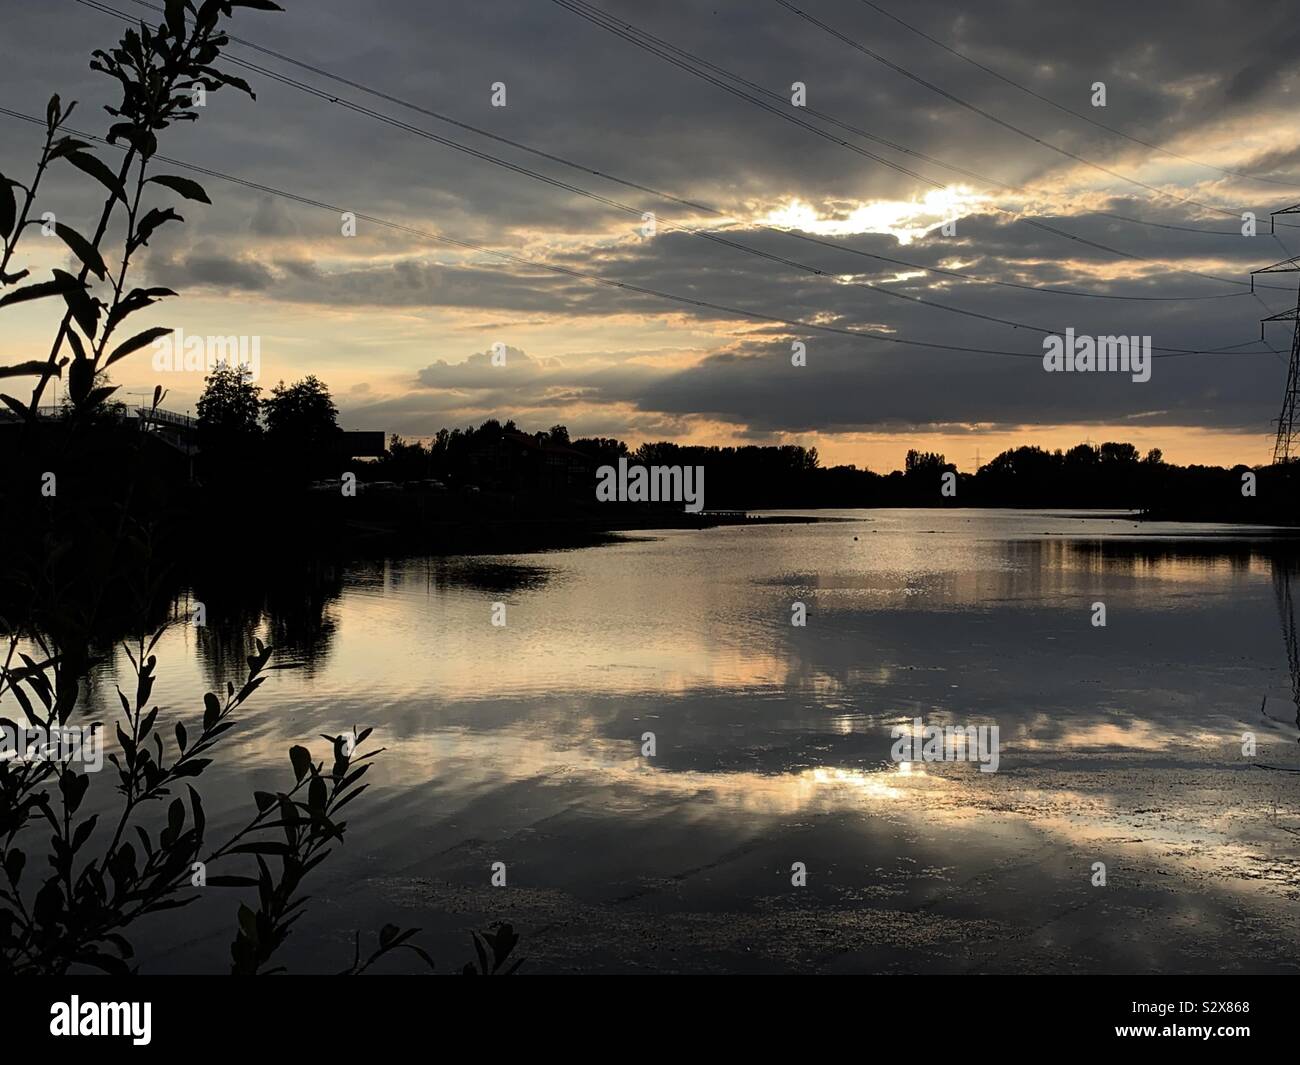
(401,326)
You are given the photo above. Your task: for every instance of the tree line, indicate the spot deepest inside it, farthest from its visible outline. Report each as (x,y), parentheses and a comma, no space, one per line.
(294,427)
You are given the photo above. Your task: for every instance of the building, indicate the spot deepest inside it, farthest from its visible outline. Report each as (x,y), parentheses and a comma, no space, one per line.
(523,462)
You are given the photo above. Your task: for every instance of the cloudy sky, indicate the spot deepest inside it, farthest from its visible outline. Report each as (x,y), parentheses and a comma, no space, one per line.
(400,325)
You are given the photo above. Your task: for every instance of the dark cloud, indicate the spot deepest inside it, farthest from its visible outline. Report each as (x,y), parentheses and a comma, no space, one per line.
(204,266)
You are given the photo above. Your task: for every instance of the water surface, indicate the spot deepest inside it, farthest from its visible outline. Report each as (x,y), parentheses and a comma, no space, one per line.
(522,744)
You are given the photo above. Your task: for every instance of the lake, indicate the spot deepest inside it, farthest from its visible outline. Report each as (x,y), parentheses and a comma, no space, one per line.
(521,743)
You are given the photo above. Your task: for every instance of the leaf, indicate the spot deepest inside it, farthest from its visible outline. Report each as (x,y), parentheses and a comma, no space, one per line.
(300,759)
(73,789)
(124,130)
(78,349)
(8,207)
(62,283)
(156,637)
(65,698)
(65,146)
(32,368)
(316,795)
(98,395)
(191,190)
(136,343)
(14,862)
(175,817)
(137,299)
(181,737)
(82,249)
(81,375)
(84,309)
(503,942)
(175,16)
(211,710)
(48,905)
(26,704)
(229,79)
(150,222)
(84,830)
(128,744)
(14,405)
(348,798)
(355,775)
(35,676)
(196,808)
(96,168)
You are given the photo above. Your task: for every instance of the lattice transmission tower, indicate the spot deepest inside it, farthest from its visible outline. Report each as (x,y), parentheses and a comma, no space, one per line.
(1284,447)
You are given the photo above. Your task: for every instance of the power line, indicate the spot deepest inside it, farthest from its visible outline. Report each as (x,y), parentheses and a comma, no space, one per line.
(104,8)
(989,115)
(594,14)
(643,39)
(565,271)
(780,259)
(577,190)
(1069,110)
(669,196)
(622,28)
(627,208)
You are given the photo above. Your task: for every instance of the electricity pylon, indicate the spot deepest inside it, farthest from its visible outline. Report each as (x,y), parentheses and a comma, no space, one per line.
(1272,222)
(1286,421)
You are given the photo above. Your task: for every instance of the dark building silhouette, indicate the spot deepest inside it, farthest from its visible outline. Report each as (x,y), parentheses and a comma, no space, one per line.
(523,462)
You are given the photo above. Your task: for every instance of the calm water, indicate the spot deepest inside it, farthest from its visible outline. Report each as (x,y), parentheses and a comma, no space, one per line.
(522,744)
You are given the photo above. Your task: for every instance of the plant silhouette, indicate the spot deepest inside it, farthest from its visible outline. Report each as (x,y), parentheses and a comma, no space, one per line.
(82,560)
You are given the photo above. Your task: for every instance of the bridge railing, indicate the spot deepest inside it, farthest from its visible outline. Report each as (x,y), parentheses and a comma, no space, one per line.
(166,417)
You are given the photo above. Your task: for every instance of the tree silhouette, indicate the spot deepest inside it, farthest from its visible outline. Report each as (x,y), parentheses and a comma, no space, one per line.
(302,428)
